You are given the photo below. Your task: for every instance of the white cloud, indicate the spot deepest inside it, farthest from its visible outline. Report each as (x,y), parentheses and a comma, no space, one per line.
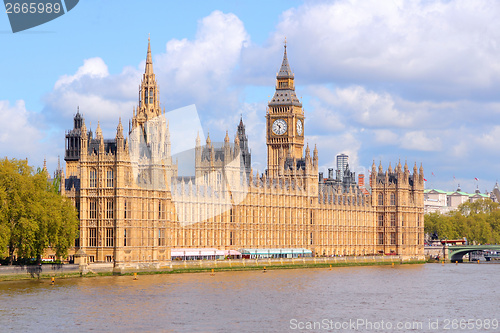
(488,141)
(93,67)
(385,136)
(370,109)
(419,140)
(329,146)
(323,118)
(21,133)
(201,70)
(447,46)
(100,96)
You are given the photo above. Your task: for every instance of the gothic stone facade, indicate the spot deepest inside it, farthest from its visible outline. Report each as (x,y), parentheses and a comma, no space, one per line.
(133,207)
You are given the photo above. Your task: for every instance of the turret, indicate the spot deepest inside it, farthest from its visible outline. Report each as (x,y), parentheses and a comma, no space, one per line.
(209,141)
(83,138)
(149,101)
(315,156)
(421,174)
(98,135)
(198,140)
(73,147)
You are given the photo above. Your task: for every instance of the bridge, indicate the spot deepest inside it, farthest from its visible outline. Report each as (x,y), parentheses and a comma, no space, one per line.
(456,253)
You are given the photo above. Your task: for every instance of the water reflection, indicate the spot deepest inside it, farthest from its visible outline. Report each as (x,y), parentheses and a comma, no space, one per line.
(250,301)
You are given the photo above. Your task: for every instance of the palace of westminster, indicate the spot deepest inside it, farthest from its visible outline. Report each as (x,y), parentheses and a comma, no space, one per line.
(134,209)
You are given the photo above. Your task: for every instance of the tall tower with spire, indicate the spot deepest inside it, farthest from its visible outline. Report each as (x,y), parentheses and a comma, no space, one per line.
(244,150)
(149,95)
(284,120)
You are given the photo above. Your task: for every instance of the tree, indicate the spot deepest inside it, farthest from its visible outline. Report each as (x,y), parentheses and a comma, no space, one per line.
(33,215)
(477,206)
(478,221)
(4,230)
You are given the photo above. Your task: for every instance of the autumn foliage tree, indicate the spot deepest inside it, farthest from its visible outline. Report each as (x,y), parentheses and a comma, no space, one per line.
(478,221)
(33,215)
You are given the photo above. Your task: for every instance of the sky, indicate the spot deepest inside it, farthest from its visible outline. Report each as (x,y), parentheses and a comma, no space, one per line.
(383,81)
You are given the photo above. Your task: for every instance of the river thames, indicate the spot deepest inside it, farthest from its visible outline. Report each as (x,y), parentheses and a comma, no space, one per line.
(407,298)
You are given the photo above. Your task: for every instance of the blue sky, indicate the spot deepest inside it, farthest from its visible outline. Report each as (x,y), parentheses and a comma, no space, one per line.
(384,81)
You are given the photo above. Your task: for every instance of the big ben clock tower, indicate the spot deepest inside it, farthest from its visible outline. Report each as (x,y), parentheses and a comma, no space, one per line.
(285,120)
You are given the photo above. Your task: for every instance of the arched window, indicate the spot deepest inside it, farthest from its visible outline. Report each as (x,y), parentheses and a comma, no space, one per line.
(109,178)
(92,209)
(393,199)
(380,238)
(219,178)
(393,238)
(125,210)
(110,209)
(93,178)
(380,199)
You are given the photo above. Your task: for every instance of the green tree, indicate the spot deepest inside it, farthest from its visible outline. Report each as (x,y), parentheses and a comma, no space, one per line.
(4,230)
(478,221)
(33,215)
(478,206)
(440,224)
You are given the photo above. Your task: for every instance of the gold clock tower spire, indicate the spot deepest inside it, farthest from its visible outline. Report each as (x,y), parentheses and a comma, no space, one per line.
(149,94)
(284,119)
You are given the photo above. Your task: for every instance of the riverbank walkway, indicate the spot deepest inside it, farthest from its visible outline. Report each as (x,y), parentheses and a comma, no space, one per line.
(192,266)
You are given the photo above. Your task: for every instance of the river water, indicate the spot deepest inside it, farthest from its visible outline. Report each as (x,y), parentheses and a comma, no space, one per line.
(407,298)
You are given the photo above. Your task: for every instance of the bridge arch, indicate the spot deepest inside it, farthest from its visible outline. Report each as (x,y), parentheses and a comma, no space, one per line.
(456,253)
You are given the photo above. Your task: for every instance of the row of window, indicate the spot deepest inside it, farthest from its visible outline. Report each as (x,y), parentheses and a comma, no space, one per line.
(393,220)
(381,220)
(148,97)
(110,212)
(381,199)
(393,239)
(109,239)
(360,201)
(127,209)
(109,178)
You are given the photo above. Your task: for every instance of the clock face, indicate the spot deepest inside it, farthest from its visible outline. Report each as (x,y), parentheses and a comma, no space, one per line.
(279,127)
(299,127)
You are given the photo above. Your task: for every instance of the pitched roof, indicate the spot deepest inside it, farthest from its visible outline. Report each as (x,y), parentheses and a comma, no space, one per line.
(285,71)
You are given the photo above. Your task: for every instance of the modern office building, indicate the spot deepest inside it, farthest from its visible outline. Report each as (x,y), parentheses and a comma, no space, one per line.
(342,165)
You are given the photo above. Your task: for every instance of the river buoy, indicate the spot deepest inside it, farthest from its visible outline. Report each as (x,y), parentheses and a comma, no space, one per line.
(52,280)
(264,270)
(213,273)
(330,267)
(135,276)
(478,261)
(392,264)
(442,262)
(456,262)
